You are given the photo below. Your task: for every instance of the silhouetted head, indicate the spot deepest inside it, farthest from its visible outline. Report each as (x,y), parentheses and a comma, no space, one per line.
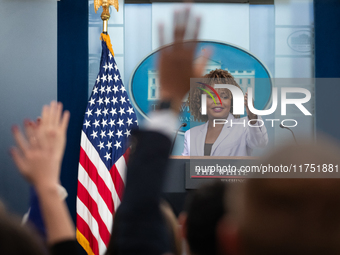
(287,216)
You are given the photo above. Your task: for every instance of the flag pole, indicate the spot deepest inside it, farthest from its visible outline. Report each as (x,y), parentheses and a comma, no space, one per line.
(106,11)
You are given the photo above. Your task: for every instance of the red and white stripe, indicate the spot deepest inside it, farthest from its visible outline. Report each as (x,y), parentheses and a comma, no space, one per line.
(99,194)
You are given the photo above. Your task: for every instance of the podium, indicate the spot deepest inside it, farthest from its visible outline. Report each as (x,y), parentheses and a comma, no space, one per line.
(178,181)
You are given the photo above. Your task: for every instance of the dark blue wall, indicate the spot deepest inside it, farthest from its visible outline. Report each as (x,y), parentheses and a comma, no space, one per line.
(327,65)
(72,85)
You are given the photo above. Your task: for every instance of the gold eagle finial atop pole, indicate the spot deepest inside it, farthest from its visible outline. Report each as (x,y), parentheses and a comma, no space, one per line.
(106,13)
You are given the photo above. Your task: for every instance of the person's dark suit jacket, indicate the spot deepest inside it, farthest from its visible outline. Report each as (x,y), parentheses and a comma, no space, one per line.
(139,227)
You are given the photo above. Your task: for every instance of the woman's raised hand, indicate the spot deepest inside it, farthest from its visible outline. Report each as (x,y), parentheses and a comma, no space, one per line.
(39,152)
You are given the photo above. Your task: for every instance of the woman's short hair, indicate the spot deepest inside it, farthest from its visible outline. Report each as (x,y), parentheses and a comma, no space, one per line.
(217,76)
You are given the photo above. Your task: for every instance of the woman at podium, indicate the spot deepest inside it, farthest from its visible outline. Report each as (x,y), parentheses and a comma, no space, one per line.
(223,134)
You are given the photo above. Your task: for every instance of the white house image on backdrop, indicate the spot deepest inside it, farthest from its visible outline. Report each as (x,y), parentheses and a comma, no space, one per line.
(244,78)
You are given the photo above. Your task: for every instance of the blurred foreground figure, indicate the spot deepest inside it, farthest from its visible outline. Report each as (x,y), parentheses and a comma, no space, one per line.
(139,223)
(286,216)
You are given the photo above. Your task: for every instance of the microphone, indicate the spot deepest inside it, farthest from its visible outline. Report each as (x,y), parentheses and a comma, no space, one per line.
(281,126)
(173,143)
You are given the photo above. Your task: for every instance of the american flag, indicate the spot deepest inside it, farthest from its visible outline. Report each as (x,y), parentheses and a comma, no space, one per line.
(108,121)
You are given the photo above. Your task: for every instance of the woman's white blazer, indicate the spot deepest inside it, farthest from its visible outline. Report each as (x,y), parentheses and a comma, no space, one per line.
(237,138)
